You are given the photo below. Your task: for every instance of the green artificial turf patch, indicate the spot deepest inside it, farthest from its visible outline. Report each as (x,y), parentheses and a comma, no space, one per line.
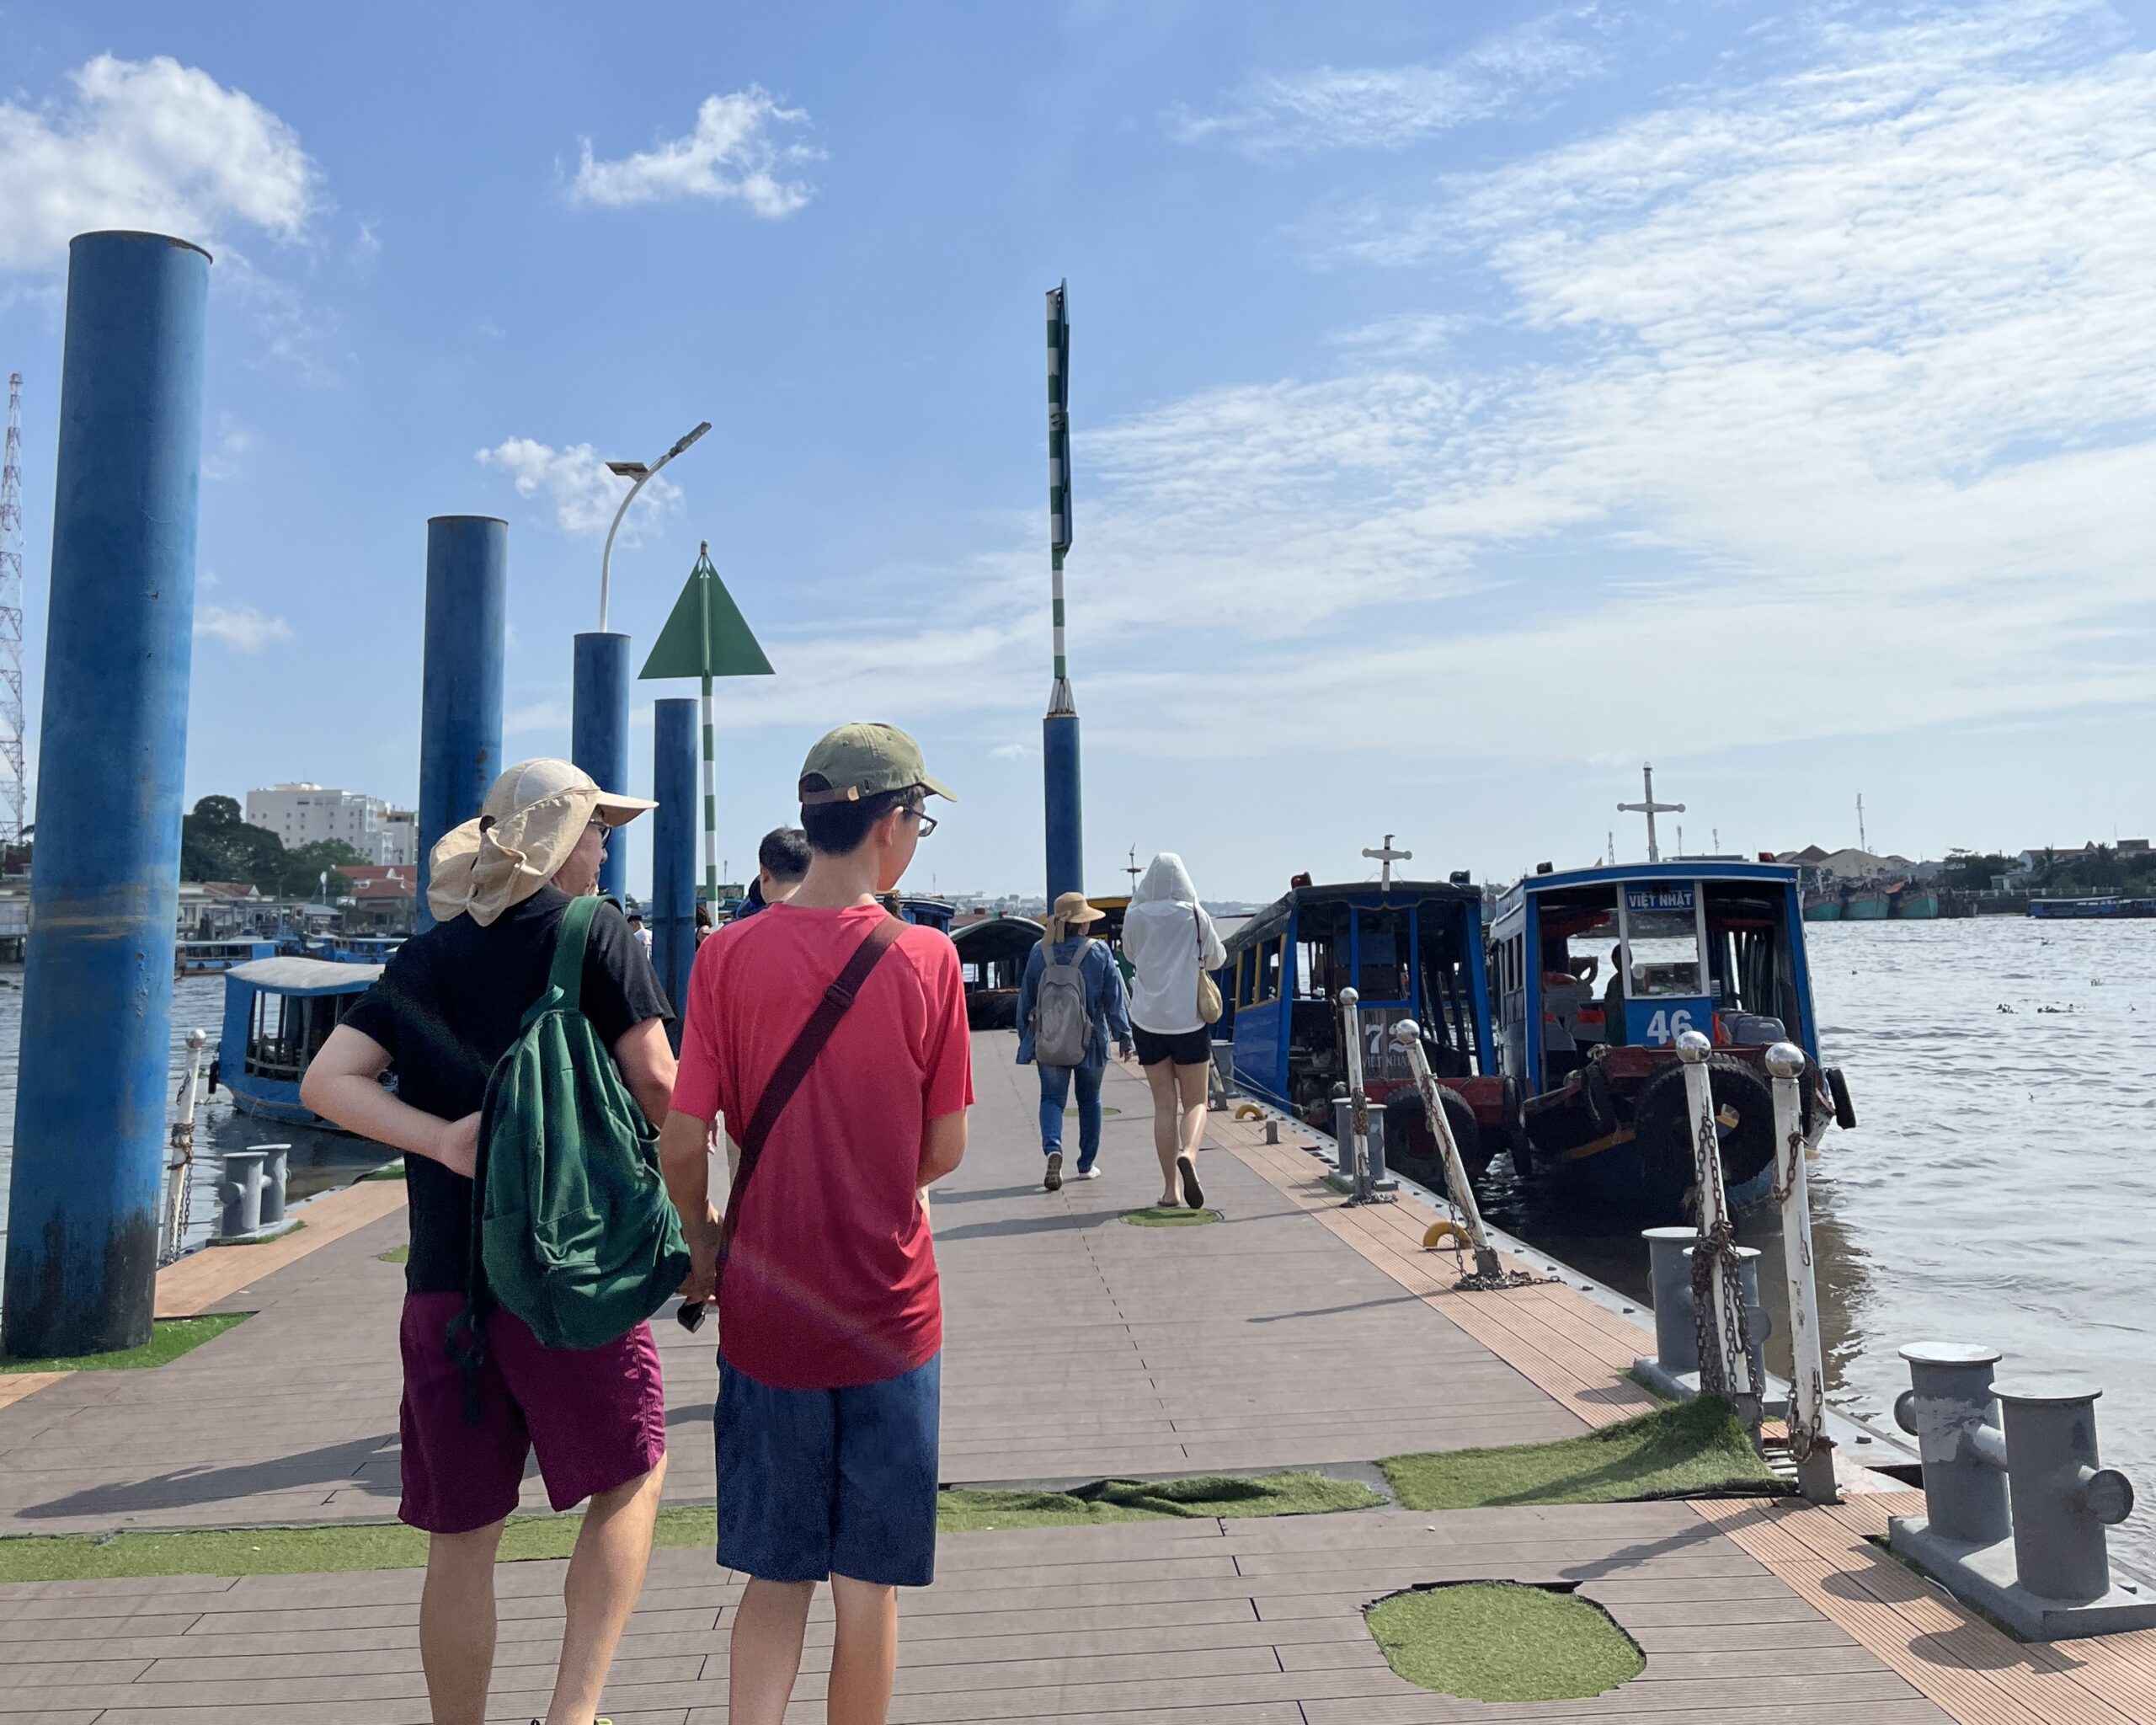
(1163,1215)
(1498,1640)
(1687,1449)
(388,1171)
(169,1338)
(967,1509)
(398,1254)
(326,1550)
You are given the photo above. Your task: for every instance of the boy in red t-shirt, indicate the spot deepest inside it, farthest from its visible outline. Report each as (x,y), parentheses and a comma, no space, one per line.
(832,1317)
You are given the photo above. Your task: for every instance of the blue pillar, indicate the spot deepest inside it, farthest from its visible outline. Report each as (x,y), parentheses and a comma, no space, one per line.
(461,679)
(674,851)
(598,733)
(95,1070)
(1066,843)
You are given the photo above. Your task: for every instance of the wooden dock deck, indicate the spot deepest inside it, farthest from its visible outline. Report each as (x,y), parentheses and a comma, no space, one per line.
(1294,1333)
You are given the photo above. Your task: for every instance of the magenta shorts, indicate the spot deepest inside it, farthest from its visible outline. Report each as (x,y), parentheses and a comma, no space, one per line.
(596,1416)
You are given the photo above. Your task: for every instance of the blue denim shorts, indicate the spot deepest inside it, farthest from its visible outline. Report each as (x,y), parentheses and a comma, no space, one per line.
(813,1483)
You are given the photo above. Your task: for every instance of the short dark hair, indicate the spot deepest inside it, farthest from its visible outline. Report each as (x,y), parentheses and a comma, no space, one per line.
(785,853)
(636,916)
(837,828)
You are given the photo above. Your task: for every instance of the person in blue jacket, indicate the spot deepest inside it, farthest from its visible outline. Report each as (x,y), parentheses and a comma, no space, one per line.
(1104,999)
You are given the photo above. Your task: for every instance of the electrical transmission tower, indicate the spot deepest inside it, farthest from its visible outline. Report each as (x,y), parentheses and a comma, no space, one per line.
(12,786)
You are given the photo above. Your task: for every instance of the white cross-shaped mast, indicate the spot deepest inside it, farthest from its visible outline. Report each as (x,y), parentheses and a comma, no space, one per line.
(1650,808)
(1385,855)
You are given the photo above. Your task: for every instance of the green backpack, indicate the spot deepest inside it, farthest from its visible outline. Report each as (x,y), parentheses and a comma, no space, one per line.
(571,1230)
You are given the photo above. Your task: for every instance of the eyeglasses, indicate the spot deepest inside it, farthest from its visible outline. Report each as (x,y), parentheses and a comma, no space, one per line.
(599,826)
(927,822)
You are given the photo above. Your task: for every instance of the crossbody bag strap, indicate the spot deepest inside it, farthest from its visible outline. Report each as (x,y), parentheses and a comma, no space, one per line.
(794,1064)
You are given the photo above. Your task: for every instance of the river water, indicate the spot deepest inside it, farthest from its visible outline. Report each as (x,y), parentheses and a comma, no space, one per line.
(2000,1187)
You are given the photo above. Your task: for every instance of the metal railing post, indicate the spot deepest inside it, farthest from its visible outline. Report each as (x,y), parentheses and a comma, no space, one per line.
(1409,1035)
(179,1171)
(1809,1444)
(1358,1104)
(1724,1369)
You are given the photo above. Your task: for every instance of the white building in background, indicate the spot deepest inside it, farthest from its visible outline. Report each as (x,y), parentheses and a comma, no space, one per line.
(307,814)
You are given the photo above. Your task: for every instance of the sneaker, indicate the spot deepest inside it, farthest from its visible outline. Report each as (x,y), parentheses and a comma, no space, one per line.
(1053,1180)
(1088,1173)
(1187,1171)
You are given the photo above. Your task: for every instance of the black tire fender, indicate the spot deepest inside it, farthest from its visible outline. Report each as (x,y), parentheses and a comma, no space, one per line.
(1594,1092)
(1663,1119)
(1838,1087)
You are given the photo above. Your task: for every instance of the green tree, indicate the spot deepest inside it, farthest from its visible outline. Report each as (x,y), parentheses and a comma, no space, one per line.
(216,843)
(303,867)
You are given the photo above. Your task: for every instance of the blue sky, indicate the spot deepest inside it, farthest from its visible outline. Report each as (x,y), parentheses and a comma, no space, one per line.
(1468,402)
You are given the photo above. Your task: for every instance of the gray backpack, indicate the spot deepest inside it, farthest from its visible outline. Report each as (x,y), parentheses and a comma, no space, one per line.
(1063,1024)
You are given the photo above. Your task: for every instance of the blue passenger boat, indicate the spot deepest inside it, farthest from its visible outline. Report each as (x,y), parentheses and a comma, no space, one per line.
(200,958)
(1414,950)
(1713,947)
(278,1013)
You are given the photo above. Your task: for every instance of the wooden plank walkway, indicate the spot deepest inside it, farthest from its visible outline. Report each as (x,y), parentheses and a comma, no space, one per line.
(1295,1332)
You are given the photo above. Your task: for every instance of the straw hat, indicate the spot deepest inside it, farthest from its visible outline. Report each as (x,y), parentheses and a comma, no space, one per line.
(531,819)
(1071,911)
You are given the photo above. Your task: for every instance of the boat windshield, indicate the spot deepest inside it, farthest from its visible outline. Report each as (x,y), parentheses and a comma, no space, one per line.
(1663,945)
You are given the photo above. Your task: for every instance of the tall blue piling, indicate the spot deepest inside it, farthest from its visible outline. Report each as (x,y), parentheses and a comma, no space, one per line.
(599,732)
(95,1064)
(674,851)
(461,675)
(1066,842)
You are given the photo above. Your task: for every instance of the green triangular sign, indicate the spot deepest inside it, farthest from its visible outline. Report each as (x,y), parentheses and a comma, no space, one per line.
(706,635)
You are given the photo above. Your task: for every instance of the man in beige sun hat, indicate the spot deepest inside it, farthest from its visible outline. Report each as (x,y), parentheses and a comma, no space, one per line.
(445,1010)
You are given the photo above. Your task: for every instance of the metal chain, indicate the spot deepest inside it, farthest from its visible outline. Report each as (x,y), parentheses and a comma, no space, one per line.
(1804,1435)
(1717,1247)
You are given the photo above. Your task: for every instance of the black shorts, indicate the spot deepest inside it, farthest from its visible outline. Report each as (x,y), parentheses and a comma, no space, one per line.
(1186,1047)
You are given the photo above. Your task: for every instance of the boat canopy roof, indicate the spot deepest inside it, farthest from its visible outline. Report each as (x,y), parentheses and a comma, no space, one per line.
(304,976)
(1775,874)
(1369,894)
(996,938)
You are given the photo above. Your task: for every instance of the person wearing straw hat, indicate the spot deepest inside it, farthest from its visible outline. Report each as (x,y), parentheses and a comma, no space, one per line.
(446,1007)
(1064,946)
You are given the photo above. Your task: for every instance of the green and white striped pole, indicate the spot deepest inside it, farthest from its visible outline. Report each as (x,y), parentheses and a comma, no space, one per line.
(1060,787)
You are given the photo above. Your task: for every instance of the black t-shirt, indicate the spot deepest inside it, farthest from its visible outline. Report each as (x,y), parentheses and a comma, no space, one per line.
(448,1007)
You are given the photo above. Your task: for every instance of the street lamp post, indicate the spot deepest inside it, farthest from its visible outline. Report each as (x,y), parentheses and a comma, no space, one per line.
(599,715)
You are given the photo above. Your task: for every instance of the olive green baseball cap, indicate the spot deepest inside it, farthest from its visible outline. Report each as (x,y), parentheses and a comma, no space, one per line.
(857,761)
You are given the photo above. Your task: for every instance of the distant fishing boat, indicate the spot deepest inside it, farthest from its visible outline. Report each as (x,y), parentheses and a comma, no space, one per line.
(1414,950)
(2106,907)
(278,1013)
(1713,947)
(1822,904)
(202,958)
(1866,904)
(1914,904)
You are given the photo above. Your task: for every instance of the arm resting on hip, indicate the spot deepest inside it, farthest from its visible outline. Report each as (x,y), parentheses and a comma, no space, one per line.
(343,1084)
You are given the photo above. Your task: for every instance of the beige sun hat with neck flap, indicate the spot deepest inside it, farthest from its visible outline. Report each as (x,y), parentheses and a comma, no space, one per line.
(531,819)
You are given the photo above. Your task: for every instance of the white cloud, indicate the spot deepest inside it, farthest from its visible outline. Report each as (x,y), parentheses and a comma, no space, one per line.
(1390,107)
(222,460)
(535,716)
(240,627)
(731,157)
(149,144)
(575,480)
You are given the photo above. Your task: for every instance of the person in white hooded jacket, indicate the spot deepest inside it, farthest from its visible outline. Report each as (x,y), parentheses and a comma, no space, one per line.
(1168,937)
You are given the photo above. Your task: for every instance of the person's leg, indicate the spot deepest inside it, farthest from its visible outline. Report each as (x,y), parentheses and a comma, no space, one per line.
(606,1575)
(597,1418)
(884,1536)
(456,1623)
(1191,1084)
(765,1654)
(864,1652)
(1088,1087)
(1055,1091)
(1160,1080)
(777,1487)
